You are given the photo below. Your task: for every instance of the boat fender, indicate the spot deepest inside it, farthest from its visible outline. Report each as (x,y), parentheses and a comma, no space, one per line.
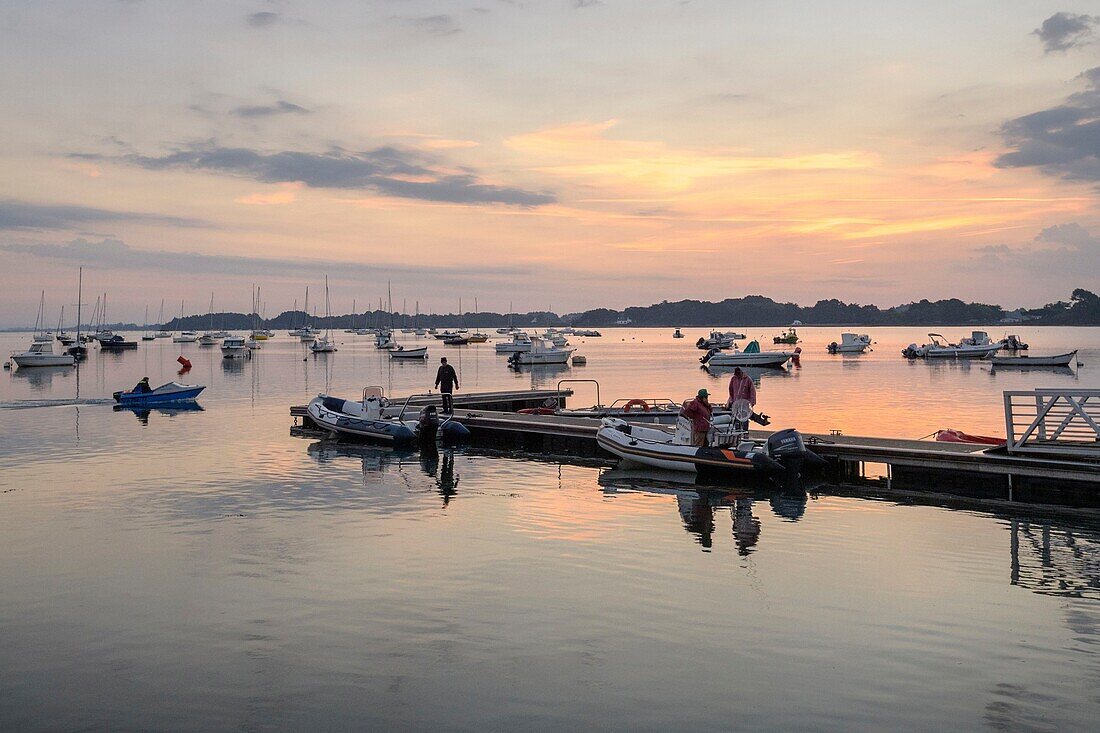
(636,403)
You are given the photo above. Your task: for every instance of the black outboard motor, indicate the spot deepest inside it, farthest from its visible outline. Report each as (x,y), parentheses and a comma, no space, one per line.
(428,425)
(700,342)
(786,447)
(709,354)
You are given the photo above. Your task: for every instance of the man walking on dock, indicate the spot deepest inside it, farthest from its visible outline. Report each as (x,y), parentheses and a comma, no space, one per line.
(447,381)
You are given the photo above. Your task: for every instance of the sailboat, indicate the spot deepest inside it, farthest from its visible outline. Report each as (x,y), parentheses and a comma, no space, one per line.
(185,337)
(102,332)
(161,334)
(477,337)
(146,336)
(66,339)
(325,344)
(307,332)
(40,334)
(259,334)
(78,350)
(351,329)
(210,338)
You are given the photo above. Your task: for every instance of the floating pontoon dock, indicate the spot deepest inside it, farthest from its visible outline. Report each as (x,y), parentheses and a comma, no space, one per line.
(1054,443)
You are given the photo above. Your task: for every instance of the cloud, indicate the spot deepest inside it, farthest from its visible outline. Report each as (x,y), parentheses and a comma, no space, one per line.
(439,25)
(116,254)
(1057,251)
(1063,31)
(281,107)
(264,19)
(1063,140)
(20,215)
(577,4)
(388,171)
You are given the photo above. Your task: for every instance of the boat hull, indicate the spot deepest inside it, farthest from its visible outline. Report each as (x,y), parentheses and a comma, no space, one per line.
(165,394)
(1060,360)
(761,359)
(419,353)
(390,432)
(685,458)
(47,360)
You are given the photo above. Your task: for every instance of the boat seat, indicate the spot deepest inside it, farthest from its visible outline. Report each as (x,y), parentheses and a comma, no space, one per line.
(333,403)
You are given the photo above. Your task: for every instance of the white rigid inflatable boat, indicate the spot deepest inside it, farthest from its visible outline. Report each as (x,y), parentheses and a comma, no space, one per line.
(368,420)
(729,447)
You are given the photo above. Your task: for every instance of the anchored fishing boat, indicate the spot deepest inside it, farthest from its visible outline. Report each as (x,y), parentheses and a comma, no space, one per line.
(850,343)
(520,342)
(541,352)
(418,352)
(751,356)
(790,336)
(716,340)
(165,393)
(975,346)
(367,419)
(729,448)
(234,347)
(41,354)
(1058,360)
(117,343)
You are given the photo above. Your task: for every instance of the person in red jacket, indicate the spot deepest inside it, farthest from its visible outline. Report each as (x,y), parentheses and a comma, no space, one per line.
(700,412)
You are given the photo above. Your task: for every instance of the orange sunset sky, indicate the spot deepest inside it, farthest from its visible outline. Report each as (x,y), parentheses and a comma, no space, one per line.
(566,153)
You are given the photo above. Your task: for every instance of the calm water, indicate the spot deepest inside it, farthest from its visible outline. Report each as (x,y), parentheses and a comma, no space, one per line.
(205,570)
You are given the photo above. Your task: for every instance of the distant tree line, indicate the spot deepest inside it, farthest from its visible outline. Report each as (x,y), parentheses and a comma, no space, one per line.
(1082,309)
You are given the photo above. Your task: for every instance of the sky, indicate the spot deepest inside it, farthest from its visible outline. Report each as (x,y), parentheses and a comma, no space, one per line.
(564,154)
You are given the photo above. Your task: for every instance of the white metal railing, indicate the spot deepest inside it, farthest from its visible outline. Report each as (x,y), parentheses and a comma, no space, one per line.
(1053,421)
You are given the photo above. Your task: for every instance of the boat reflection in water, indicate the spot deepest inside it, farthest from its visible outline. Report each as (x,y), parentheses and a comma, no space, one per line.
(41,378)
(142,412)
(698,502)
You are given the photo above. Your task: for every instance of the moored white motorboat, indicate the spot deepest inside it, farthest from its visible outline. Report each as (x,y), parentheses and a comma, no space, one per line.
(520,342)
(974,347)
(208,339)
(234,347)
(751,356)
(588,333)
(41,353)
(850,343)
(542,352)
(186,337)
(715,340)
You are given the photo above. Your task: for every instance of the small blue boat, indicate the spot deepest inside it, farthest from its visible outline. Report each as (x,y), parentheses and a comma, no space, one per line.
(164,394)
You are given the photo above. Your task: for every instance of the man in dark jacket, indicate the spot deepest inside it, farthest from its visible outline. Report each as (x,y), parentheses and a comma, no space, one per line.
(700,413)
(447,381)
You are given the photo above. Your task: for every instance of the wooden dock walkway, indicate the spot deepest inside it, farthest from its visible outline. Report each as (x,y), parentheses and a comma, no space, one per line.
(970,468)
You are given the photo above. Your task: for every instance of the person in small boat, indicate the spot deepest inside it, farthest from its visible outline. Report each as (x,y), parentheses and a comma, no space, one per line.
(142,387)
(446,378)
(700,412)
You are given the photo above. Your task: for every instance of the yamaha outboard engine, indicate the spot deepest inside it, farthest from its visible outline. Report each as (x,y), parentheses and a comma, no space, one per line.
(786,447)
(700,342)
(709,354)
(428,425)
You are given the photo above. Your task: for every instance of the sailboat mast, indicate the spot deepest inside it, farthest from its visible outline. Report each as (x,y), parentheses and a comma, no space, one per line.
(79,291)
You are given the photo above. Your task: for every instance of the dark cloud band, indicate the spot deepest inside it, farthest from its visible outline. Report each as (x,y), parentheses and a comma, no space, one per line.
(386,170)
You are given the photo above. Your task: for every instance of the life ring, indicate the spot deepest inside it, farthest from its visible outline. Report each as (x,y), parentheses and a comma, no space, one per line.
(636,403)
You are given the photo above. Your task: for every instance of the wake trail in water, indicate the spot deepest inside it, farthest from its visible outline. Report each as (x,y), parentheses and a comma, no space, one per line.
(28,404)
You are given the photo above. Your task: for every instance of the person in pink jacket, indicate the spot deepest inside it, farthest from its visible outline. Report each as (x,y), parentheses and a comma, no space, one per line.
(741,388)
